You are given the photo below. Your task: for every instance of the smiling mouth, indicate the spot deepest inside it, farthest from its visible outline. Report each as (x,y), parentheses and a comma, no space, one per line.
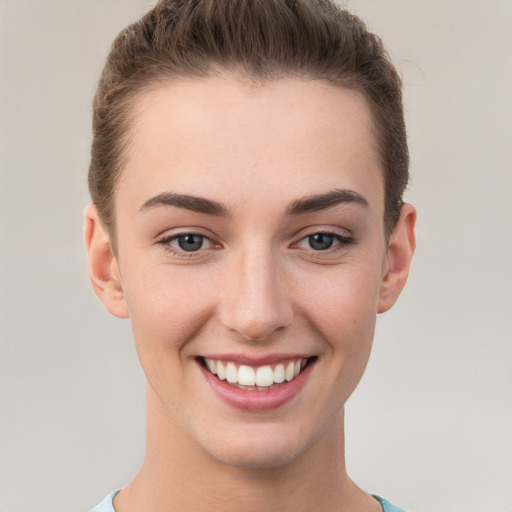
(260,378)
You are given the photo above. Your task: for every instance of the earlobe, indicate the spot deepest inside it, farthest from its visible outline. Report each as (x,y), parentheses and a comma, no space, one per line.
(401,246)
(102,265)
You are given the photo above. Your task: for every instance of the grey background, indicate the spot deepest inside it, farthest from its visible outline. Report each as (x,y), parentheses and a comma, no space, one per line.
(430,425)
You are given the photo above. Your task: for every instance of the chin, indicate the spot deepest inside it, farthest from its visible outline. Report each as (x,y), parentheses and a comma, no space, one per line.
(257,451)
(255,457)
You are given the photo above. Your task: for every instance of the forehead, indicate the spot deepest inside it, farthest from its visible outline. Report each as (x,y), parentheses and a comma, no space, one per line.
(238,141)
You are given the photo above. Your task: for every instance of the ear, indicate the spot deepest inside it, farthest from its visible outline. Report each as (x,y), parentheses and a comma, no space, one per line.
(401,245)
(102,265)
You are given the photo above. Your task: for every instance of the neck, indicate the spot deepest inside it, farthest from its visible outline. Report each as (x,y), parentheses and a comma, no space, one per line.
(178,475)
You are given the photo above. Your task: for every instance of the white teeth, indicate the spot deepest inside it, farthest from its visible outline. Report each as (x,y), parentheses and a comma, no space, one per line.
(279,374)
(289,372)
(246,376)
(264,376)
(231,373)
(221,371)
(212,365)
(260,378)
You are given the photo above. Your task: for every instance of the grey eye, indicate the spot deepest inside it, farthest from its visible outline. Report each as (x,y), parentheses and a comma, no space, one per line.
(190,242)
(320,241)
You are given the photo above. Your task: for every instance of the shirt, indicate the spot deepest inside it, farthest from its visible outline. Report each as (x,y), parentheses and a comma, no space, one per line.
(107,505)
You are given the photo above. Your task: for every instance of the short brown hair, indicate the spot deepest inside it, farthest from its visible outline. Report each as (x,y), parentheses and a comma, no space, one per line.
(260,40)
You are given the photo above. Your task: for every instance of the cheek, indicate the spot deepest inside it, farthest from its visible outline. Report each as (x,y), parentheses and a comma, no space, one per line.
(344,300)
(166,308)
(342,306)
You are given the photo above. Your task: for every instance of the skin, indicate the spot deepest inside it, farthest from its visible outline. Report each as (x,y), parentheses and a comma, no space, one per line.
(256,287)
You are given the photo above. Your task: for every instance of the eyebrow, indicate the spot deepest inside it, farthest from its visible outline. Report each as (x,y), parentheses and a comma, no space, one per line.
(188,202)
(319,202)
(307,204)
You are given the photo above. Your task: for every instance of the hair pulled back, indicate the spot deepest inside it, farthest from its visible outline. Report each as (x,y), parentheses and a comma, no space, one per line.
(258,40)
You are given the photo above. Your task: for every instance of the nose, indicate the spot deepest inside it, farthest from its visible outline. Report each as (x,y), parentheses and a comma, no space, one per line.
(257,302)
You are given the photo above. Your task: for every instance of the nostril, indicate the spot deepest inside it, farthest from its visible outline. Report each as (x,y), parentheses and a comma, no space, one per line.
(258,327)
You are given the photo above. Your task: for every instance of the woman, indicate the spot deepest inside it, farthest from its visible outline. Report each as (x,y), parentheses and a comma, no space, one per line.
(247,172)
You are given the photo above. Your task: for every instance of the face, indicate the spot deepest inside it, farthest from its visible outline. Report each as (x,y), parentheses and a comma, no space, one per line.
(251,261)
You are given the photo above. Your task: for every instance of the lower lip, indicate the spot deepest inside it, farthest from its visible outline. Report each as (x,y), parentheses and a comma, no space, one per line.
(257,400)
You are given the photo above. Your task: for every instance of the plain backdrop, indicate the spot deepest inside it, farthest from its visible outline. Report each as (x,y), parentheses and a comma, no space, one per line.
(429,427)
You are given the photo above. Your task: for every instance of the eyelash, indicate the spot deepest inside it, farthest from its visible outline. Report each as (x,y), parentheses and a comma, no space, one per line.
(182,253)
(343,242)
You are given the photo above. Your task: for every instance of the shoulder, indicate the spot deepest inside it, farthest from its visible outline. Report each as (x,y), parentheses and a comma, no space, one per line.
(106,505)
(387,506)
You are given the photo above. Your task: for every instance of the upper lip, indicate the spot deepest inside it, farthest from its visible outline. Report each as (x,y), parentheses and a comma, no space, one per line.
(250,360)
